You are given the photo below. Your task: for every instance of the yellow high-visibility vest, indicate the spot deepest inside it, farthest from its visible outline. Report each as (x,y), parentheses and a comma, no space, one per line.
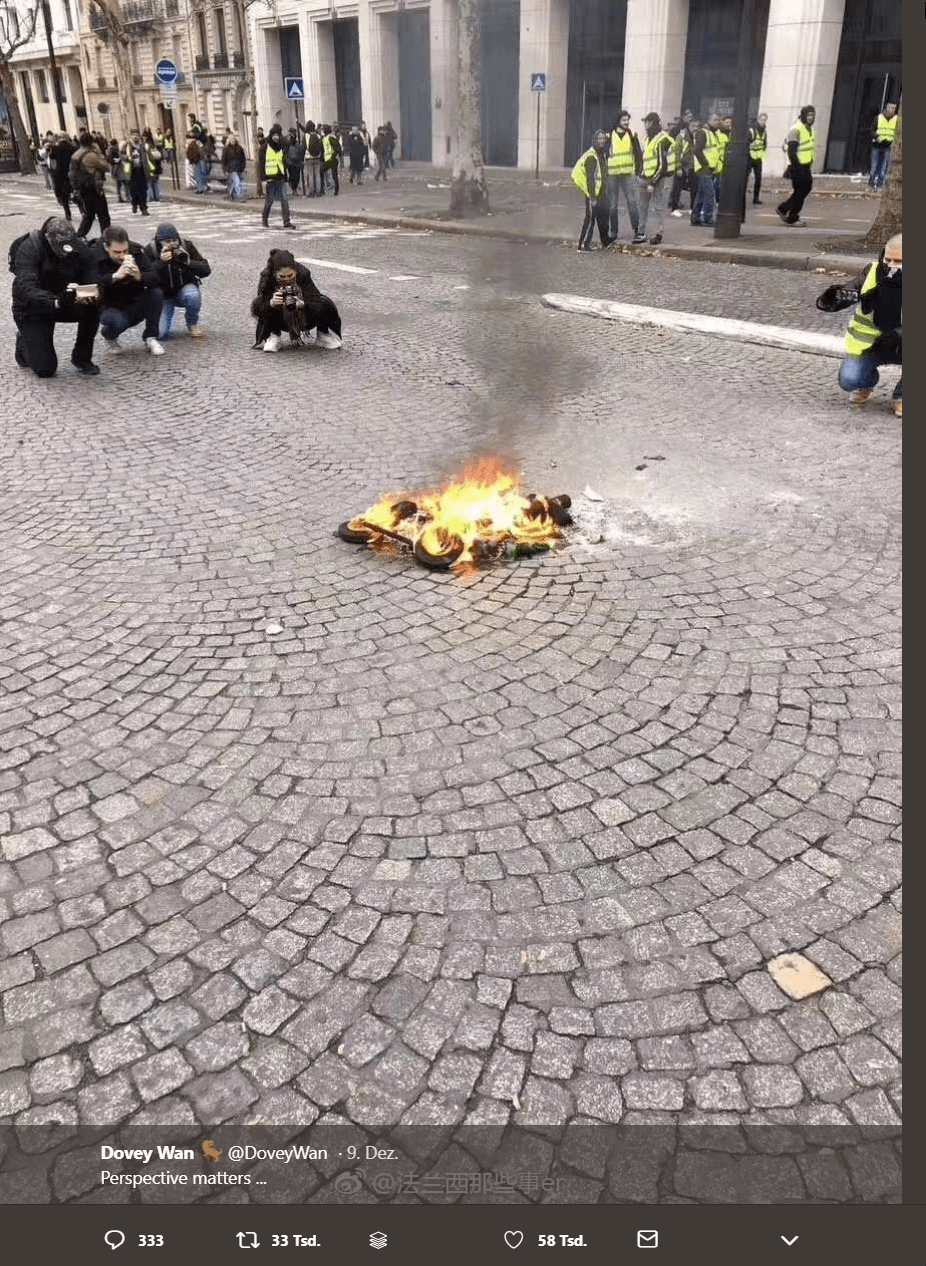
(759,144)
(711,150)
(621,160)
(887,128)
(651,154)
(806,144)
(580,176)
(862,332)
(274,163)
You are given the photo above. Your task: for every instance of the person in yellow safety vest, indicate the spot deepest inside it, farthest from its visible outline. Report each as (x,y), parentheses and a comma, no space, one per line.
(758,146)
(658,161)
(885,134)
(624,162)
(875,333)
(331,152)
(274,173)
(705,155)
(135,166)
(802,150)
(589,175)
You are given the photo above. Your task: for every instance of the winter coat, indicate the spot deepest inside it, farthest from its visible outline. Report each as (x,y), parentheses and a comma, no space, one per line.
(40,277)
(267,287)
(120,294)
(172,275)
(62,154)
(356,151)
(87,167)
(233,159)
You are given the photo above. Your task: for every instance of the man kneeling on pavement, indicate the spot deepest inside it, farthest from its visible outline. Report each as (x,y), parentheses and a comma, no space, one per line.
(128,290)
(178,269)
(53,280)
(875,333)
(289,302)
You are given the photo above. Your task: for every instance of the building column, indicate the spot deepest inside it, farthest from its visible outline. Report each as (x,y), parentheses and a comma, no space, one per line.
(379,65)
(443,16)
(316,39)
(544,47)
(654,59)
(801,54)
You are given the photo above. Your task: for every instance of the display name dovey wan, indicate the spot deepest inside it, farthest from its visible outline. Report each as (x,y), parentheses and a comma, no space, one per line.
(146,1153)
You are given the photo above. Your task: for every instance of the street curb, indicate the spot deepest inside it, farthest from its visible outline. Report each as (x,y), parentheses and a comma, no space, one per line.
(693,322)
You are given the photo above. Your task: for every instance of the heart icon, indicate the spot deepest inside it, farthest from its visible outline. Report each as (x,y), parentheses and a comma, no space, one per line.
(514,1239)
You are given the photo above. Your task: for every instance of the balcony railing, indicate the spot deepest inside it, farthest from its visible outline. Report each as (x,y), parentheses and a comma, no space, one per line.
(172,8)
(101,82)
(138,80)
(202,61)
(96,20)
(238,60)
(138,11)
(220,61)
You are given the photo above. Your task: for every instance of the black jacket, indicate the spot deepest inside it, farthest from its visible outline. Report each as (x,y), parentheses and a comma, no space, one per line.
(40,277)
(267,287)
(172,275)
(233,158)
(119,294)
(62,154)
(882,302)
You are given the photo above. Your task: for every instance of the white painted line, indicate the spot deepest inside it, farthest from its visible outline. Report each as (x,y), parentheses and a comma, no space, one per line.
(402,277)
(344,268)
(719,327)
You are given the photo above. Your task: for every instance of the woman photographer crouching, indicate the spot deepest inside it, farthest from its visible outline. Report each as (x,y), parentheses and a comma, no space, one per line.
(289,302)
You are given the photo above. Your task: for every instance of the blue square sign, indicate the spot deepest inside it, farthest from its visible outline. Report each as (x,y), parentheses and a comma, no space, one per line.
(295,90)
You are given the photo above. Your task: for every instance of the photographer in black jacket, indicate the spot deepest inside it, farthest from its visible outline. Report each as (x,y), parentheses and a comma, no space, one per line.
(288,301)
(178,270)
(128,290)
(48,266)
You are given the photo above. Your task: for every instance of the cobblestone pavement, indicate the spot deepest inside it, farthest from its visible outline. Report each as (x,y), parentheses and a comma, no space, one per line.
(513,849)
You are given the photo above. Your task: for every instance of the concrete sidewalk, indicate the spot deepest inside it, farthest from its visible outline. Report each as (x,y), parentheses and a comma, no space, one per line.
(549,210)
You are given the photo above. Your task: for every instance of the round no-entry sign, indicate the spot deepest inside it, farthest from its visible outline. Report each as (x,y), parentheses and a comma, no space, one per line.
(166,72)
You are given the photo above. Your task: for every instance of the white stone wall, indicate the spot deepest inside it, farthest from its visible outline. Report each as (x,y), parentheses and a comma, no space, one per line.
(544,48)
(654,59)
(801,54)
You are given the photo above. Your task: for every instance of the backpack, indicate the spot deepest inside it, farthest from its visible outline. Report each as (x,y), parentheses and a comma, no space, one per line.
(14,248)
(314,145)
(294,154)
(78,175)
(193,151)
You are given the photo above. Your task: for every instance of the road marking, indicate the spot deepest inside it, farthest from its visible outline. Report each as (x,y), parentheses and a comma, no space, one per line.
(404,278)
(344,268)
(721,327)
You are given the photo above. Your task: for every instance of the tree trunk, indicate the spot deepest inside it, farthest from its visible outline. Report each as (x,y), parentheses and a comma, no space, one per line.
(118,47)
(889,219)
(24,150)
(468,193)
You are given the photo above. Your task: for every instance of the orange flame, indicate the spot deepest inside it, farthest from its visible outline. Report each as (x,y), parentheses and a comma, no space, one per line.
(470,513)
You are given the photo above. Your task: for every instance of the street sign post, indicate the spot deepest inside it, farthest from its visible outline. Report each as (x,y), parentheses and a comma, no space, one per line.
(538,85)
(166,72)
(294,89)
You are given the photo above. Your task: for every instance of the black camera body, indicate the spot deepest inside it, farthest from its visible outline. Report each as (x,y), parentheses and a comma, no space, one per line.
(290,295)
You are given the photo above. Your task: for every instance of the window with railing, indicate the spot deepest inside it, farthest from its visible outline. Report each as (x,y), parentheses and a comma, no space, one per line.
(221,41)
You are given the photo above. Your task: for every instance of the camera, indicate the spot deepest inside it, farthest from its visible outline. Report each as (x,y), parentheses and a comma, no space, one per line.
(290,295)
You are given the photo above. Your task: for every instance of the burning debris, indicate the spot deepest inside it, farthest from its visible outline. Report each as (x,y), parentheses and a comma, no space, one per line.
(478,516)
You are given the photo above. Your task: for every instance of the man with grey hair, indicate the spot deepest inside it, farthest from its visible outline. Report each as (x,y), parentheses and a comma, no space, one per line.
(875,333)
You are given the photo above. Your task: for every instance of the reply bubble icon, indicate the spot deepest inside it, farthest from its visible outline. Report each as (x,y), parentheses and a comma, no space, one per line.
(115,1239)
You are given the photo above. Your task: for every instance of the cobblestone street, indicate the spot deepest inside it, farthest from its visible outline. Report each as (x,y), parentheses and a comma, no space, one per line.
(521,847)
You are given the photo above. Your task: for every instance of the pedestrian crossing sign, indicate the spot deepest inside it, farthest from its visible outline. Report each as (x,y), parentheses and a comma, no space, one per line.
(294,90)
(538,82)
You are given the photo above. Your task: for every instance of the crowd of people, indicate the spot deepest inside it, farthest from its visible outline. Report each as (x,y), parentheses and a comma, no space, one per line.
(113,284)
(650,175)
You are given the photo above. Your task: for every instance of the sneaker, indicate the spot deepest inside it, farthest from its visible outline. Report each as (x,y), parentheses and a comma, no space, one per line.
(307,338)
(897,406)
(583,249)
(153,346)
(655,239)
(638,237)
(757,202)
(85,367)
(798,224)
(862,396)
(113,346)
(328,339)
(289,225)
(272,343)
(782,217)
(196,331)
(678,214)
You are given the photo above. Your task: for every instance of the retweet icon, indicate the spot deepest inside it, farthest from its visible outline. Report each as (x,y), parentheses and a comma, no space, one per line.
(210,1151)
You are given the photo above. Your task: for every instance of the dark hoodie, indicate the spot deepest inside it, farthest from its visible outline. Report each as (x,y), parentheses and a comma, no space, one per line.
(173,274)
(883,302)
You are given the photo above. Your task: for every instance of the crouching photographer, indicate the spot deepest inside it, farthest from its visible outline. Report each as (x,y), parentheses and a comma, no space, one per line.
(289,302)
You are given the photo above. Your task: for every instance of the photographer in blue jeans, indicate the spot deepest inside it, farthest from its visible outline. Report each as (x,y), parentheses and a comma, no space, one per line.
(875,333)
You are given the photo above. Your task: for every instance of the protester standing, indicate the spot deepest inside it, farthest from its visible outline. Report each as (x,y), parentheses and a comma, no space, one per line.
(802,150)
(624,162)
(657,159)
(356,154)
(275,178)
(704,159)
(884,136)
(589,174)
(380,146)
(758,147)
(87,173)
(61,155)
(234,162)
